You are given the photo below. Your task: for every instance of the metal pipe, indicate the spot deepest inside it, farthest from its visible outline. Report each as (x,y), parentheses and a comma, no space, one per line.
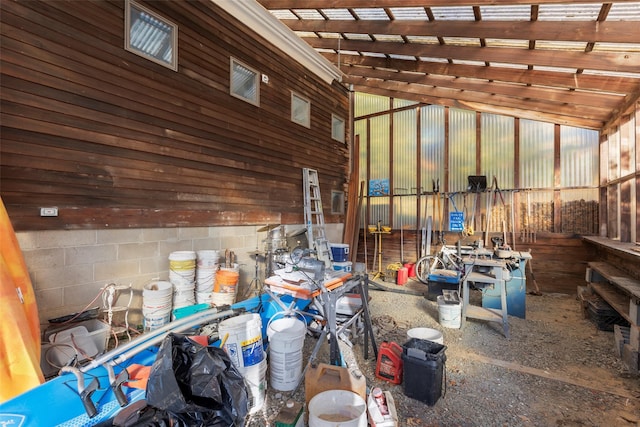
(153,337)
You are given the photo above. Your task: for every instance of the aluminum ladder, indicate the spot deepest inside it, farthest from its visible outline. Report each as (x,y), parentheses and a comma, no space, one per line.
(314,218)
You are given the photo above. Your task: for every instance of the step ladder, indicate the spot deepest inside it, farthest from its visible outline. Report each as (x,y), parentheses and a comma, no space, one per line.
(314,218)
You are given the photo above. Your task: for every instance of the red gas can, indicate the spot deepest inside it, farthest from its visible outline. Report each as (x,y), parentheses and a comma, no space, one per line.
(389,365)
(403,274)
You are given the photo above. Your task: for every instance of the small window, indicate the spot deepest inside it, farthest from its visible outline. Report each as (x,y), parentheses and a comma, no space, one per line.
(300,110)
(245,82)
(337,128)
(149,35)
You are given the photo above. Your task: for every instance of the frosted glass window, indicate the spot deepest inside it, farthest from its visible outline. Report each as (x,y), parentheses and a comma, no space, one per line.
(245,82)
(300,110)
(149,35)
(337,128)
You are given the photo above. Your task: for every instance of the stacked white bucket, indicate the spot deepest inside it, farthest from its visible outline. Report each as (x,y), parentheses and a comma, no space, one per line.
(286,340)
(156,304)
(207,266)
(242,338)
(182,275)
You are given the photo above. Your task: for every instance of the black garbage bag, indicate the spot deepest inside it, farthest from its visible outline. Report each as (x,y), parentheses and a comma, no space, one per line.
(197,385)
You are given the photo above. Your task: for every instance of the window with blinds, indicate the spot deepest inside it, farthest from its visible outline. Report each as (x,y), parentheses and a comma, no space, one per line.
(245,82)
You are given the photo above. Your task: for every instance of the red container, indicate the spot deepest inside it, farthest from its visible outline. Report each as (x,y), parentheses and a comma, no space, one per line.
(411,266)
(389,365)
(403,276)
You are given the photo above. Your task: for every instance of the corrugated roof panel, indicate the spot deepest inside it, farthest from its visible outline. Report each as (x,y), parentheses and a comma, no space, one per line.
(388,38)
(423,39)
(467,62)
(506,13)
(519,44)
(429,59)
(462,41)
(624,12)
(560,45)
(613,74)
(616,47)
(308,14)
(375,13)
(329,35)
(409,13)
(405,57)
(504,65)
(374,54)
(283,14)
(353,36)
(569,12)
(556,69)
(338,14)
(454,13)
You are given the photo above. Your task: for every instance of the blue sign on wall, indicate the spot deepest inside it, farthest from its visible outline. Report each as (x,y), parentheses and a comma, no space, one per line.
(379,187)
(456,221)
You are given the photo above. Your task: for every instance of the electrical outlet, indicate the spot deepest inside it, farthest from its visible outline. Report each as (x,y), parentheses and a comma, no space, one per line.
(50,211)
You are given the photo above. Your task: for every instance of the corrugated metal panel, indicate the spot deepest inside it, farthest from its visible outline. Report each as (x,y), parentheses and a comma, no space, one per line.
(369,104)
(399,103)
(536,154)
(431,145)
(379,207)
(360,128)
(404,162)
(406,204)
(462,148)
(497,148)
(578,157)
(613,153)
(379,147)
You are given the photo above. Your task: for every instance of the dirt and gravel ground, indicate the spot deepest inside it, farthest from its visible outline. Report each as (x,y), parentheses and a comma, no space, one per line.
(557,369)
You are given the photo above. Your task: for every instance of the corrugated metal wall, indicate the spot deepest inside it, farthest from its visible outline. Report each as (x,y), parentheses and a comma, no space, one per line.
(497,148)
(579,157)
(531,210)
(462,148)
(404,165)
(536,154)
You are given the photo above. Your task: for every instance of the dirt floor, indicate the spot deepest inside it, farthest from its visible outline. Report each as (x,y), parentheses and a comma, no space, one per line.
(557,368)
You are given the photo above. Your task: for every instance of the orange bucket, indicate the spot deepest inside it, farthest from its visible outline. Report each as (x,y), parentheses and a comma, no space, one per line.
(226,281)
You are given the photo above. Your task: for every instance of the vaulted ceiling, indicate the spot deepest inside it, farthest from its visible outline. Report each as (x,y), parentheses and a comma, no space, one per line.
(562,62)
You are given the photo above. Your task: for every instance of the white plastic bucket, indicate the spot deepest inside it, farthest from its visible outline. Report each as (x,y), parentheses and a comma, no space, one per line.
(342,266)
(156,304)
(340,252)
(255,378)
(207,258)
(426,334)
(337,408)
(222,298)
(286,340)
(182,260)
(205,279)
(449,315)
(244,341)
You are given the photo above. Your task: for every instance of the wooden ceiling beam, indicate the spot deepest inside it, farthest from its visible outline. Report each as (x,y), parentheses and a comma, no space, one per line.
(507,89)
(590,82)
(579,31)
(569,110)
(605,61)
(490,107)
(345,4)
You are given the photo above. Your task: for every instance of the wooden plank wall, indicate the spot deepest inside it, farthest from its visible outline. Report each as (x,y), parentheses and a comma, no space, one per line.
(114,140)
(559,260)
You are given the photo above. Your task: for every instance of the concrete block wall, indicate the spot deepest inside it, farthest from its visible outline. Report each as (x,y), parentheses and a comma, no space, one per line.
(68,268)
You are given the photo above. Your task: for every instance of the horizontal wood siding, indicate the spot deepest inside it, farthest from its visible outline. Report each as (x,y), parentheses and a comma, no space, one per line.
(114,140)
